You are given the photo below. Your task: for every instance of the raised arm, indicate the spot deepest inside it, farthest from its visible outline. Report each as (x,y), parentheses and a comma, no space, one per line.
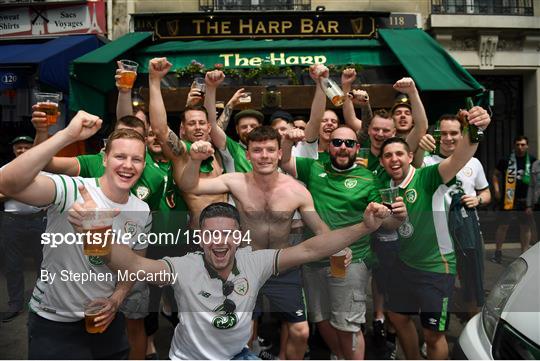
(347,78)
(326,244)
(318,105)
(223,120)
(427,144)
(213,79)
(465,150)
(124,105)
(407,86)
(288,162)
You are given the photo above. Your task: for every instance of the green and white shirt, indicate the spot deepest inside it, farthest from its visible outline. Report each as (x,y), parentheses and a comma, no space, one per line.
(340,197)
(62,300)
(425,241)
(205,331)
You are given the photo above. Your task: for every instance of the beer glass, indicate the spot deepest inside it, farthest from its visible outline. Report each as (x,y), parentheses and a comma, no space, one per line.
(48,104)
(244,102)
(91,311)
(362,156)
(128,74)
(200,85)
(388,196)
(337,264)
(97,228)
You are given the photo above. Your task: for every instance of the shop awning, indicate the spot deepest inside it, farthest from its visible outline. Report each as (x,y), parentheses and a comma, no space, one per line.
(92,75)
(430,65)
(53,57)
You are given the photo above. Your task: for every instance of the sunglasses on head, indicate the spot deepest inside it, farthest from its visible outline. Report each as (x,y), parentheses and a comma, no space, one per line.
(349,143)
(228,305)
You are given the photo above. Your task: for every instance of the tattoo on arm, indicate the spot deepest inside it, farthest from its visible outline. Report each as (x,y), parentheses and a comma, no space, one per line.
(177,148)
(367,116)
(224,118)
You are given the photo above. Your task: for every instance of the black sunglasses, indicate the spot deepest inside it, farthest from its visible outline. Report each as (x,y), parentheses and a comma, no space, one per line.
(228,305)
(349,143)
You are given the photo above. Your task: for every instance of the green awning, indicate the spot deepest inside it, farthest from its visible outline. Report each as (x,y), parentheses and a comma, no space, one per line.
(431,67)
(92,75)
(249,53)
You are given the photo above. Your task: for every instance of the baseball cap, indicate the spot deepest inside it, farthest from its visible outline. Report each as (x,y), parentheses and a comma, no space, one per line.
(249,113)
(402,100)
(22,139)
(281,114)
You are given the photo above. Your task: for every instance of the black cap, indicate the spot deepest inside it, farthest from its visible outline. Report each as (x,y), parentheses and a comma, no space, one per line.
(402,100)
(283,115)
(22,139)
(249,113)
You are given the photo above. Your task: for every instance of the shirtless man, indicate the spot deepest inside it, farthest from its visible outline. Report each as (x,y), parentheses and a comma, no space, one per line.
(266,200)
(194,127)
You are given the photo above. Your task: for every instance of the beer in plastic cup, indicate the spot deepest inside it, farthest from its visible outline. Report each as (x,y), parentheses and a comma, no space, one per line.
(48,104)
(199,84)
(91,311)
(244,102)
(97,229)
(337,264)
(388,196)
(363,156)
(128,74)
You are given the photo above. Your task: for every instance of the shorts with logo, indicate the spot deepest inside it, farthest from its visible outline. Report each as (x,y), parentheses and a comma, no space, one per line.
(340,300)
(413,291)
(135,305)
(285,295)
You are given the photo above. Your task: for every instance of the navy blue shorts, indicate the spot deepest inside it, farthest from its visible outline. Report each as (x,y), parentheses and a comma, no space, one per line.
(285,295)
(387,255)
(412,291)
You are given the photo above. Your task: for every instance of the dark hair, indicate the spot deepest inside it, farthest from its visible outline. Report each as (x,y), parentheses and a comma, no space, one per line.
(452,117)
(125,133)
(521,137)
(193,107)
(262,133)
(300,117)
(219,209)
(131,121)
(394,140)
(383,113)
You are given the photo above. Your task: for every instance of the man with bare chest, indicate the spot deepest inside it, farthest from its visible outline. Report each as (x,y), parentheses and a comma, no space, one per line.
(266,200)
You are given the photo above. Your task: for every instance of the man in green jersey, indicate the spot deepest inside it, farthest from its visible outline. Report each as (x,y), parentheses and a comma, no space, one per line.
(423,278)
(341,190)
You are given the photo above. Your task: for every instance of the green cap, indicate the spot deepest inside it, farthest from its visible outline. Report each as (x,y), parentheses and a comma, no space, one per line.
(22,139)
(249,113)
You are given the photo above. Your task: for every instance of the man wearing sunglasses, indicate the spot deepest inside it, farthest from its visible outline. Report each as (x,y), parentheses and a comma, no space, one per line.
(216,289)
(341,190)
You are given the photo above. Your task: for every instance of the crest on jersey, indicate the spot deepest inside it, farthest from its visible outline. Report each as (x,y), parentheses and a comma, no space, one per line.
(142,192)
(241,286)
(406,229)
(96,261)
(411,195)
(130,227)
(467,172)
(350,183)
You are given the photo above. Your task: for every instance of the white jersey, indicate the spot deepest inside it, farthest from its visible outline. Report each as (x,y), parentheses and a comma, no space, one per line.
(204,330)
(62,298)
(306,150)
(471,177)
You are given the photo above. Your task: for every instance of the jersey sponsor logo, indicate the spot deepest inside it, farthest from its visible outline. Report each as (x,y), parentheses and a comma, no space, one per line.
(322,175)
(130,227)
(350,183)
(96,261)
(142,192)
(467,172)
(411,195)
(204,294)
(226,321)
(406,229)
(241,286)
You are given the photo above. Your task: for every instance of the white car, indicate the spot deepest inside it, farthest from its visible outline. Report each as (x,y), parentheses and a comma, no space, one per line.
(509,325)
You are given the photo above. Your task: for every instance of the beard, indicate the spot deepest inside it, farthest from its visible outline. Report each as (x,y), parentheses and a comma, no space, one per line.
(347,165)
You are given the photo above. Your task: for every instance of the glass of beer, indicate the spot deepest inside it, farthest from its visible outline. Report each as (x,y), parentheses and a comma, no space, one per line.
(362,156)
(97,228)
(128,74)
(48,104)
(200,85)
(337,264)
(92,309)
(244,102)
(388,196)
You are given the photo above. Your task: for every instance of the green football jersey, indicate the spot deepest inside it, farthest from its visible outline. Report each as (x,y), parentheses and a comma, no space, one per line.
(425,241)
(234,157)
(340,197)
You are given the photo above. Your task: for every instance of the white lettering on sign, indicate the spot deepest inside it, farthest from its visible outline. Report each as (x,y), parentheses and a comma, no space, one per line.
(236,60)
(14,21)
(70,19)
(9,78)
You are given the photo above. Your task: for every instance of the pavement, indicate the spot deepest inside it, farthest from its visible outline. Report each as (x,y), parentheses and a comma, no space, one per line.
(13,335)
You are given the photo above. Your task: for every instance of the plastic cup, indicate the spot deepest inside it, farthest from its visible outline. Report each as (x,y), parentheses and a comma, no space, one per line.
(337,264)
(244,102)
(363,156)
(388,196)
(97,227)
(200,85)
(48,104)
(128,74)
(91,311)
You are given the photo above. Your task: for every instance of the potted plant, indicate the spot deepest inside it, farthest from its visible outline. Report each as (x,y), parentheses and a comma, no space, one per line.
(232,75)
(187,74)
(270,74)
